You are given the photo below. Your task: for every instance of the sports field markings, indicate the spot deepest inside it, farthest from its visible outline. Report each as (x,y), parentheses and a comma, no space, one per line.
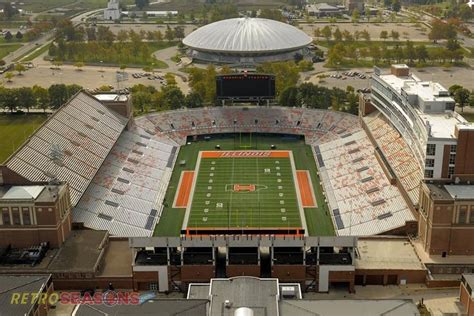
(181,199)
(306,189)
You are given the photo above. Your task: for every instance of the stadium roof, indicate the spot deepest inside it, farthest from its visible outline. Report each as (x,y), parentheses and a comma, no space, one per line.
(247,35)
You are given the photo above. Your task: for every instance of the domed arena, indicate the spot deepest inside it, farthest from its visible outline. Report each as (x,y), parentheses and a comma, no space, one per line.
(246,41)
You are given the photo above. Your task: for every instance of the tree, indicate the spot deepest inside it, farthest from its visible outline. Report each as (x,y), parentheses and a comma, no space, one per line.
(384,35)
(193,100)
(58,95)
(19,68)
(421,53)
(72,89)
(171,97)
(141,4)
(288,97)
(326,32)
(19,35)
(367,13)
(355,15)
(395,35)
(410,51)
(26,98)
(461,96)
(8,36)
(396,5)
(9,76)
(455,87)
(141,100)
(365,35)
(337,35)
(41,96)
(79,65)
(169,33)
(8,99)
(179,32)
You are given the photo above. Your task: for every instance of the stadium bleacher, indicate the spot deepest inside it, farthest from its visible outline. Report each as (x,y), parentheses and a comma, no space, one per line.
(397,152)
(359,195)
(314,124)
(126,195)
(85,131)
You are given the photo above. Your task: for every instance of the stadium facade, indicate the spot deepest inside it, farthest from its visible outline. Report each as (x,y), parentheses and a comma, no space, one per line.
(246,41)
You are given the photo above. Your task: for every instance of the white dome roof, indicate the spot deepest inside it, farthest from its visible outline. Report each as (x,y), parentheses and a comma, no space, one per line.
(247,35)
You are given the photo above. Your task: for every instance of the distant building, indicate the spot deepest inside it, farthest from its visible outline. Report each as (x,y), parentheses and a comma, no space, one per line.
(112,12)
(354,4)
(32,214)
(324,9)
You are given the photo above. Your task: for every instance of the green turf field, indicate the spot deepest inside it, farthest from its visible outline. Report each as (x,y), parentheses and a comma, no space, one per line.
(272,204)
(318,220)
(15,129)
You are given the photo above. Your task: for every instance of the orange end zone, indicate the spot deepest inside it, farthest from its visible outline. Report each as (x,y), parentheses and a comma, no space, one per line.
(184,190)
(306,189)
(246,154)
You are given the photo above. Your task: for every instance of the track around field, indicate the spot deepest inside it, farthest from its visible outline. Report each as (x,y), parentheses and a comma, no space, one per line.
(184,189)
(306,189)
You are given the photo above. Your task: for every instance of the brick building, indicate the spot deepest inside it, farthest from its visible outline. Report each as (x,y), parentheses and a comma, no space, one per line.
(466,296)
(446,218)
(32,214)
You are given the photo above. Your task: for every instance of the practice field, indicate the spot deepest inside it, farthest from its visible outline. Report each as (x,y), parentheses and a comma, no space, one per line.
(180,199)
(244,190)
(15,129)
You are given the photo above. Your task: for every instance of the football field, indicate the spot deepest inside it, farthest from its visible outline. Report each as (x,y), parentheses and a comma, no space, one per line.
(244,190)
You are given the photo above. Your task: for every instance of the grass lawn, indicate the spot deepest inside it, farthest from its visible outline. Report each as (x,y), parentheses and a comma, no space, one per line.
(318,219)
(7,49)
(468,116)
(15,129)
(33,53)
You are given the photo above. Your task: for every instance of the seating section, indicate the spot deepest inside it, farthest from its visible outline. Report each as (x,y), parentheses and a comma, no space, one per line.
(398,154)
(361,199)
(126,195)
(79,135)
(316,125)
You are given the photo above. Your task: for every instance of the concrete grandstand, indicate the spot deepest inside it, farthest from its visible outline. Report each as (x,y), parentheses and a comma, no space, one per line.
(118,169)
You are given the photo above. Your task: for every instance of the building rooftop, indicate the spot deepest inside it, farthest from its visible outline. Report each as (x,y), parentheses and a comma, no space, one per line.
(22,192)
(163,307)
(469,277)
(441,124)
(460,191)
(10,284)
(347,307)
(80,252)
(387,253)
(38,193)
(261,295)
(111,97)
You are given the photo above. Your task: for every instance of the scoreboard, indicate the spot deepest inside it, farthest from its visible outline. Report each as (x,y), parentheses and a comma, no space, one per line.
(245,87)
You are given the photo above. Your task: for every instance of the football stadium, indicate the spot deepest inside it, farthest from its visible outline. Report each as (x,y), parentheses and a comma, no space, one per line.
(218,170)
